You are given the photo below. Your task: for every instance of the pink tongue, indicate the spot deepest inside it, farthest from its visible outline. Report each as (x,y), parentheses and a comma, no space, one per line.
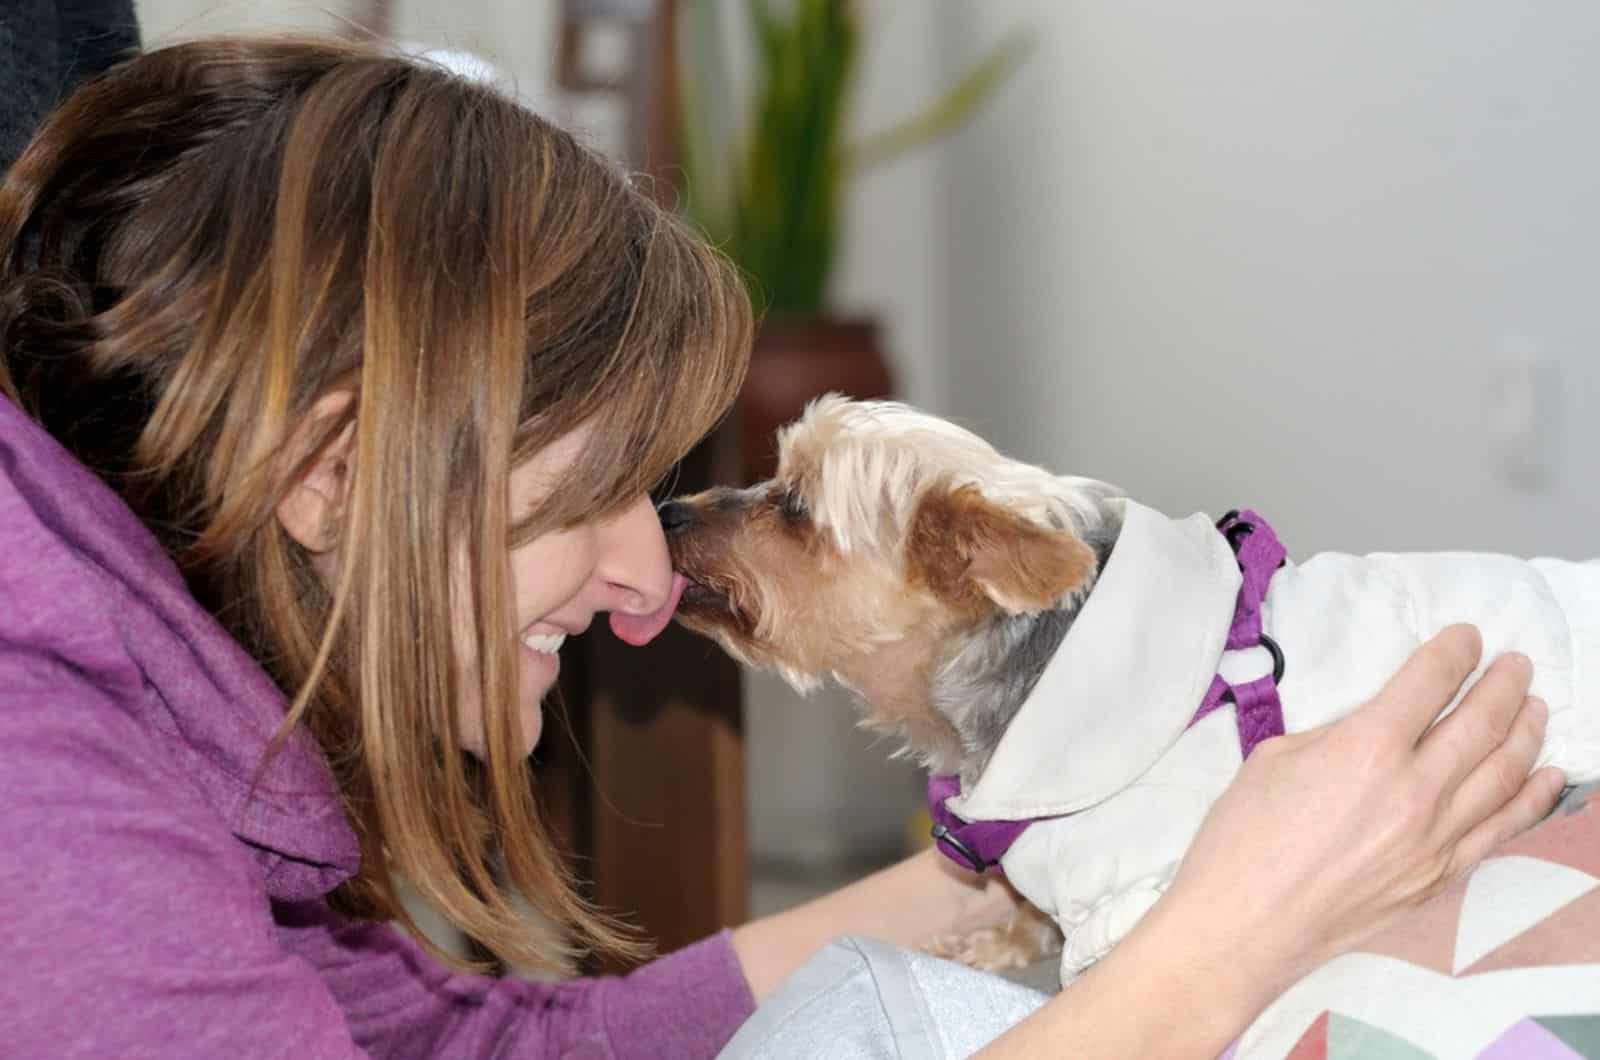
(640,630)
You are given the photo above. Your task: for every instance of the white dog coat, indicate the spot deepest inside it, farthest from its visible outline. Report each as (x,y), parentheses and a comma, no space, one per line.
(1103,749)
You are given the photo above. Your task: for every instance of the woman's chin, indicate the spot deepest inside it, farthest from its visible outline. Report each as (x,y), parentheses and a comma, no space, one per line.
(537,677)
(532,721)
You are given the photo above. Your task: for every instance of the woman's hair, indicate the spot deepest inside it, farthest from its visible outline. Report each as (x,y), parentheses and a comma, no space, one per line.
(203,242)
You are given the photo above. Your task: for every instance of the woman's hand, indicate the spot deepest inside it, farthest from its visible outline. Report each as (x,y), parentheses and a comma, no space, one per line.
(1326,835)
(1323,838)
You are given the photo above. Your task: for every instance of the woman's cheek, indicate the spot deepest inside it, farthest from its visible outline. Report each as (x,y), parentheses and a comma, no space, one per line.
(549,571)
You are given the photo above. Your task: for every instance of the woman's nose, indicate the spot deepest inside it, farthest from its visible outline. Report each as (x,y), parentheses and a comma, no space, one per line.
(633,560)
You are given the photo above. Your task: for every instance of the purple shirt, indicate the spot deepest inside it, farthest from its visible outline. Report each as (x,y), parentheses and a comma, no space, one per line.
(148,907)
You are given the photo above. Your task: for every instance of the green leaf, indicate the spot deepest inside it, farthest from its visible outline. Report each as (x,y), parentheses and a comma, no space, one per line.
(706,119)
(769,193)
(945,114)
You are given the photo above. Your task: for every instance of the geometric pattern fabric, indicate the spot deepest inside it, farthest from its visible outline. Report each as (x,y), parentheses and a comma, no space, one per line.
(1505,965)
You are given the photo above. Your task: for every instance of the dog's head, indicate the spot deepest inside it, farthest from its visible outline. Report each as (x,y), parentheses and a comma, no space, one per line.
(888,546)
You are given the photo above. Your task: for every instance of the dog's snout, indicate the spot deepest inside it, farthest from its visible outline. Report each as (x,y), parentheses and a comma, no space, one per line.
(675,517)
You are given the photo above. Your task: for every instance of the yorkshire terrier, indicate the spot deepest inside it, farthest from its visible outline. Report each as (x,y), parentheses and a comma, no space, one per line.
(1081,674)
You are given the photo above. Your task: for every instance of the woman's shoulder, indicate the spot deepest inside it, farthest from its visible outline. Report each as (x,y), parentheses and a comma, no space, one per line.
(75,562)
(101,645)
(64,539)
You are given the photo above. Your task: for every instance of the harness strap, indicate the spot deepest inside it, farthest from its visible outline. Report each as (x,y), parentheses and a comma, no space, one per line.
(1258,709)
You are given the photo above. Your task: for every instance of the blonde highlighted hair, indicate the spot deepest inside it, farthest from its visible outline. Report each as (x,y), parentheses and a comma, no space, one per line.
(203,242)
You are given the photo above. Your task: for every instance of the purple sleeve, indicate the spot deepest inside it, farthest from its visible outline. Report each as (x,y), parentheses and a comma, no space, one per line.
(133,923)
(401,1003)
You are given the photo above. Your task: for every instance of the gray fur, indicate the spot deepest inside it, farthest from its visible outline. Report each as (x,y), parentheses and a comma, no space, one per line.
(981,688)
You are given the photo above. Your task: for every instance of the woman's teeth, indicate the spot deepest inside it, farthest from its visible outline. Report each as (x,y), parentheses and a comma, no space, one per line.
(544,643)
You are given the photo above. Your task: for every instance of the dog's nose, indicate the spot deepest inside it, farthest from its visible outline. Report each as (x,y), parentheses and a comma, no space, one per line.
(675,516)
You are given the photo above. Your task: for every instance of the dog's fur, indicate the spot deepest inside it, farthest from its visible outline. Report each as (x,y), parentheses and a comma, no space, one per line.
(905,558)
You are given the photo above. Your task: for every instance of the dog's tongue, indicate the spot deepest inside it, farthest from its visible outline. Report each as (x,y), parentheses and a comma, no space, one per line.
(640,630)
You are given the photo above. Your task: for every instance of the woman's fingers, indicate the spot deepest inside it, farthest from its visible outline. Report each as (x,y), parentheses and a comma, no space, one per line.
(1429,680)
(1478,728)
(1500,775)
(1530,806)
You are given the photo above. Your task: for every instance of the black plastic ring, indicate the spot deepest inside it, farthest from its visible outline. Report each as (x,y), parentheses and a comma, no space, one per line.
(941,834)
(1277,657)
(1277,667)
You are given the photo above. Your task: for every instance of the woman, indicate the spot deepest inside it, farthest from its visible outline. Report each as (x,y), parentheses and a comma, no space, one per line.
(333,389)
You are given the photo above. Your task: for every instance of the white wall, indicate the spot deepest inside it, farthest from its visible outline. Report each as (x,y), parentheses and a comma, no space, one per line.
(518,38)
(1274,252)
(165,21)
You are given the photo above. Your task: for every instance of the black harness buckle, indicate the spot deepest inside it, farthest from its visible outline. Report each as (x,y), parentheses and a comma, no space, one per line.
(1277,666)
(941,834)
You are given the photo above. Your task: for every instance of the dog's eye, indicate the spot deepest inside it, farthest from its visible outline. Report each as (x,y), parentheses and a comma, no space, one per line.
(792,505)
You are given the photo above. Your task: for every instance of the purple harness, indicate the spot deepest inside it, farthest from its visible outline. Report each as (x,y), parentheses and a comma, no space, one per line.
(979,845)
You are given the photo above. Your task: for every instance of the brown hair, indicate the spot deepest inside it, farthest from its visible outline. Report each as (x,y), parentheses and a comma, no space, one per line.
(201,243)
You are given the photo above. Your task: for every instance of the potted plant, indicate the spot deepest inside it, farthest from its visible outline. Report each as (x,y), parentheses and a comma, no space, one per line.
(764,178)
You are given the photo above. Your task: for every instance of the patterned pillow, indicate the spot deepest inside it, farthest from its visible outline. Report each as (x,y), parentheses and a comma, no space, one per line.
(1503,966)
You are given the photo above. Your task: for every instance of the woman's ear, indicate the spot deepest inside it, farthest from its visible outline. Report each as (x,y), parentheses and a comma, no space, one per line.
(312,511)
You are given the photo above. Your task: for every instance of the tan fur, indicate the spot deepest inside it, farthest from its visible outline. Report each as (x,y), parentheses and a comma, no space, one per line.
(1026,938)
(886,541)
(968,549)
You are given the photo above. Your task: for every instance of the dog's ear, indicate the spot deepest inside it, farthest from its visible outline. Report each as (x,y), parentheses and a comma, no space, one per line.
(966,548)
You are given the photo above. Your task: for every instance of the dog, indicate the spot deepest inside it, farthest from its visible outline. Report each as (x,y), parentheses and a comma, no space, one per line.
(1081,674)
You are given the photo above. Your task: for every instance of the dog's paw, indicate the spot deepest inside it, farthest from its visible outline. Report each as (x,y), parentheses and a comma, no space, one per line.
(1028,937)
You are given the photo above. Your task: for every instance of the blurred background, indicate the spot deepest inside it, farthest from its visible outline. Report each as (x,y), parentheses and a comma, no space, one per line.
(1333,261)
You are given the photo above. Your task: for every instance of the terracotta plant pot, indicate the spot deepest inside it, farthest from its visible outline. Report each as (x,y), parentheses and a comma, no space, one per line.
(795,361)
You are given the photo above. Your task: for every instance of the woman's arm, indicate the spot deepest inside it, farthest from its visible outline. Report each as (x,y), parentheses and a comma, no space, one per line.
(1324,837)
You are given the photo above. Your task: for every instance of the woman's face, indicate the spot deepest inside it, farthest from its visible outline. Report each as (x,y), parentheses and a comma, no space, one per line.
(562,579)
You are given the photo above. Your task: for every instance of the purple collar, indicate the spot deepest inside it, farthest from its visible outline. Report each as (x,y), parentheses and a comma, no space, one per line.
(979,845)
